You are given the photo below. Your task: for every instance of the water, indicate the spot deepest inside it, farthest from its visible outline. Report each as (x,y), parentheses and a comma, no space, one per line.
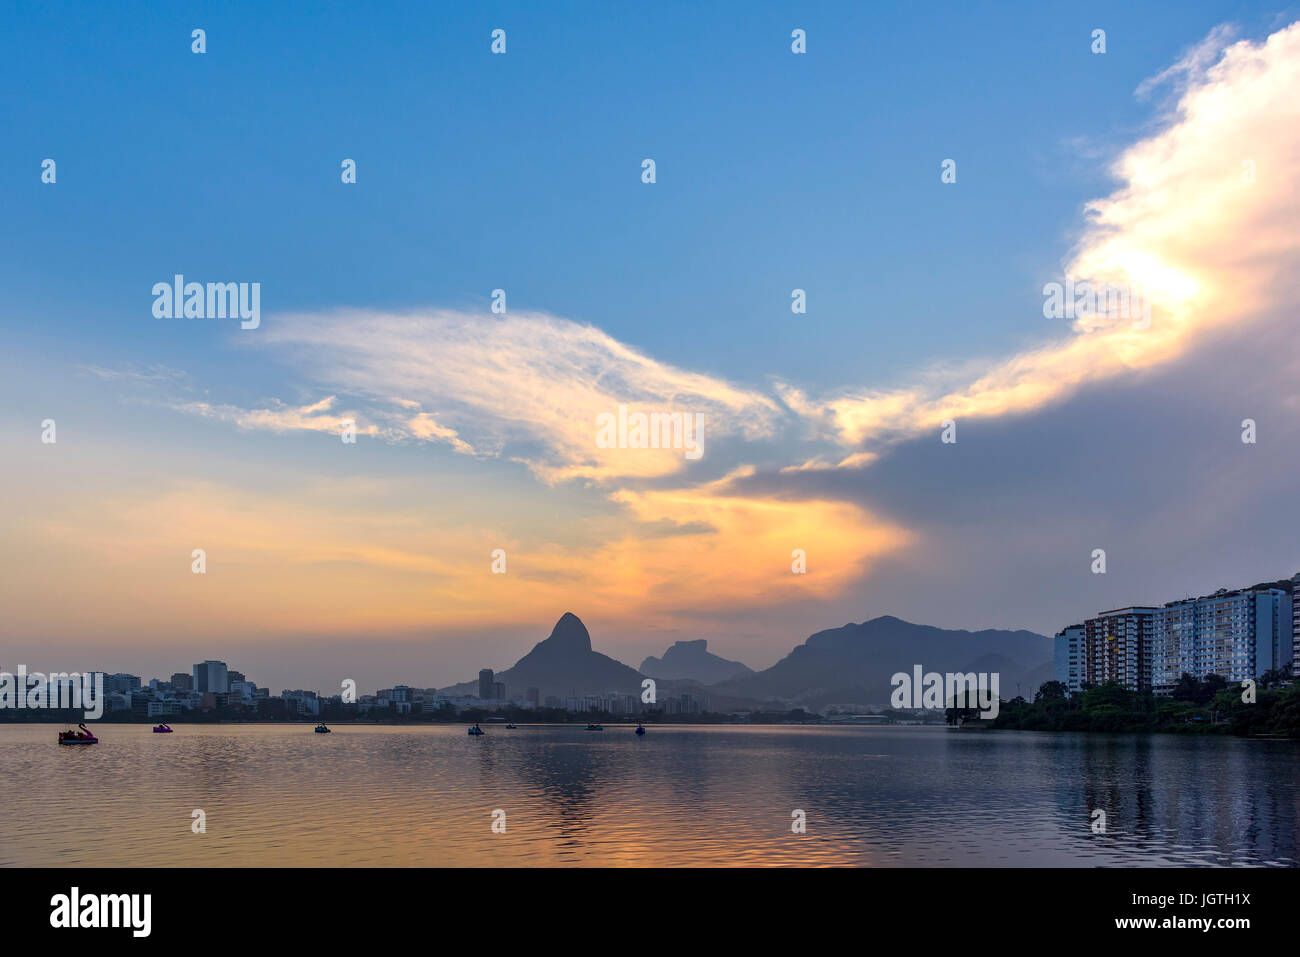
(424,796)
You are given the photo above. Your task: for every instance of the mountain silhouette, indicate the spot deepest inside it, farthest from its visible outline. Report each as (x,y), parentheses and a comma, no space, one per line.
(847,665)
(563,665)
(853,664)
(692,659)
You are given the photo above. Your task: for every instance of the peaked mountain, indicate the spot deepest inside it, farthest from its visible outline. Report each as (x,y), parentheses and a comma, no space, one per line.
(564,664)
(692,659)
(853,664)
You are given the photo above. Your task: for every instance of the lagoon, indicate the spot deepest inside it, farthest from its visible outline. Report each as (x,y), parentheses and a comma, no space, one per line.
(280,795)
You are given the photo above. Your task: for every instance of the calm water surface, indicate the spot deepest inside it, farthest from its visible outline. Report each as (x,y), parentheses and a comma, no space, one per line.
(277,795)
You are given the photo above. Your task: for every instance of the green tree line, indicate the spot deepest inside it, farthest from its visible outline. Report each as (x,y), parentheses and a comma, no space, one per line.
(1208,705)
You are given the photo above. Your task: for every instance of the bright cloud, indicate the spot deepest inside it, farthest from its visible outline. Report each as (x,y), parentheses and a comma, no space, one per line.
(526,385)
(1204,224)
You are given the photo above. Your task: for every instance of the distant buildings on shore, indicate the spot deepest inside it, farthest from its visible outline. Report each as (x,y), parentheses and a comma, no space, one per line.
(1237,634)
(212,687)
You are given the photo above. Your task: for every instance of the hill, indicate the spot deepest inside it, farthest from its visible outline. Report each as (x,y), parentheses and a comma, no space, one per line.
(693,660)
(854,663)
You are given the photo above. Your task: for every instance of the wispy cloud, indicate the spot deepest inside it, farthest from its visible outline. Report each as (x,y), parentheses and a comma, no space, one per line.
(528,386)
(1193,64)
(315,417)
(135,374)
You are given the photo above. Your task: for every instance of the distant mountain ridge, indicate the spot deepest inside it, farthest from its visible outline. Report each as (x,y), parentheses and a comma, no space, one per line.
(693,660)
(850,664)
(853,663)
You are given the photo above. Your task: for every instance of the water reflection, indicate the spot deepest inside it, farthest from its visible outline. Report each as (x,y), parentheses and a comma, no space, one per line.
(679,796)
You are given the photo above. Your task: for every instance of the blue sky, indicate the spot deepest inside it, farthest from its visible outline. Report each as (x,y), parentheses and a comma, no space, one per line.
(522,171)
(775,171)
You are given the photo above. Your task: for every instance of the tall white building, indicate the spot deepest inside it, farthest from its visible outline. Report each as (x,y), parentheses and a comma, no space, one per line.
(1295,627)
(1068,658)
(212,676)
(1237,635)
(1116,647)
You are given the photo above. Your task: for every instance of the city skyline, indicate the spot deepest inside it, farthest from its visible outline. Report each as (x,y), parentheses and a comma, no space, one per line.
(1237,634)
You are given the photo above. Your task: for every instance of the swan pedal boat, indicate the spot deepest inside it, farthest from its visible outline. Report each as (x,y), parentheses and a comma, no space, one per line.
(73,737)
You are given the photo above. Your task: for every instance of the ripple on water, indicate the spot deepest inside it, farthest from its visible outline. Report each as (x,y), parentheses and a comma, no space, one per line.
(706,796)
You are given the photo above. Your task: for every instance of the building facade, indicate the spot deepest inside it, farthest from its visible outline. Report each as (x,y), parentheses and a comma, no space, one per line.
(1237,635)
(1116,647)
(211,677)
(1295,627)
(1068,657)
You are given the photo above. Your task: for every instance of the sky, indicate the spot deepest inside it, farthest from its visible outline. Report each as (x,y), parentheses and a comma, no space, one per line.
(1166,165)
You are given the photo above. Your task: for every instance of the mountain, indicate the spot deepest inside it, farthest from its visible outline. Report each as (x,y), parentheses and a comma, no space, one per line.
(848,665)
(562,665)
(853,664)
(1031,681)
(692,659)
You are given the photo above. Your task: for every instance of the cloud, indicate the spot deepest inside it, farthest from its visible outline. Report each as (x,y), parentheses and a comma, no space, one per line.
(1195,62)
(319,417)
(315,417)
(349,556)
(748,557)
(1210,249)
(1203,225)
(527,385)
(1201,229)
(152,374)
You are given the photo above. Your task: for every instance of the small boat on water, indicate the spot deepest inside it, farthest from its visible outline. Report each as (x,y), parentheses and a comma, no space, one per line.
(78,737)
(595,727)
(476,730)
(321,729)
(162,729)
(640,729)
(513,727)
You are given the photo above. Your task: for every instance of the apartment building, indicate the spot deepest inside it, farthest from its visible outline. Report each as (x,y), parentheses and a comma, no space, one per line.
(1116,647)
(1068,657)
(1237,635)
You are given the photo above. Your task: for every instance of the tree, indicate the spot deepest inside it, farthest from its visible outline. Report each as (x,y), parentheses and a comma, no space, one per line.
(957,716)
(1211,686)
(1274,678)
(1187,688)
(1051,690)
